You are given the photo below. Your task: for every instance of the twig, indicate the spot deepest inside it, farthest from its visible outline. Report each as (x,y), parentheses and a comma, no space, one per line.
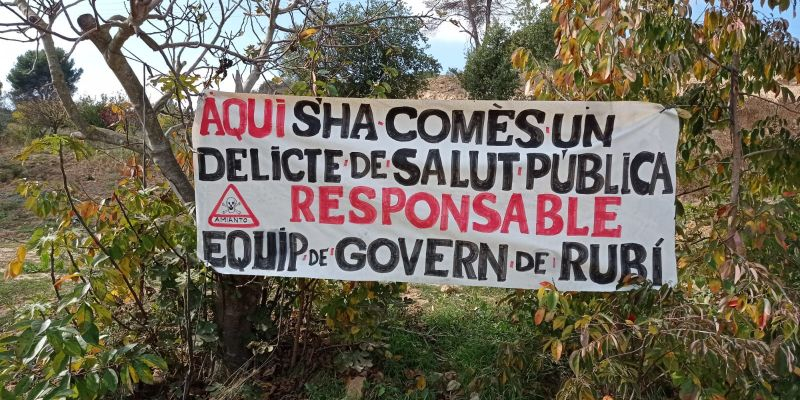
(187,315)
(53,271)
(764,151)
(694,190)
(781,105)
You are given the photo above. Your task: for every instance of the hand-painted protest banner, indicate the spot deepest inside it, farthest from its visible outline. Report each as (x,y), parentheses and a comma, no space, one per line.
(506,193)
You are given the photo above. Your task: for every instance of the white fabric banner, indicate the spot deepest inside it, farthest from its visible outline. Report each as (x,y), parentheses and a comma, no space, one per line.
(486,193)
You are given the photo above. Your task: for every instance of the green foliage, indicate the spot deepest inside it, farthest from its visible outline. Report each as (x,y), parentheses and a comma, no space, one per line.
(120,279)
(536,36)
(108,332)
(488,73)
(92,110)
(53,358)
(357,309)
(382,59)
(729,329)
(30,76)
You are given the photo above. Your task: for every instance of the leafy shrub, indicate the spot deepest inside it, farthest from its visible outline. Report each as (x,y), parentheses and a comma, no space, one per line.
(729,328)
(141,312)
(488,73)
(40,117)
(91,110)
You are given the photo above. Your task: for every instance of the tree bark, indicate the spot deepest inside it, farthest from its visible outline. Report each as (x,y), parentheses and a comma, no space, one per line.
(737,159)
(160,148)
(488,15)
(237,298)
(266,45)
(473,23)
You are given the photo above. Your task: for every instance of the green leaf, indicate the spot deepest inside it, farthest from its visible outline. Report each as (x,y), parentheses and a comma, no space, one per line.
(574,362)
(93,383)
(84,315)
(103,313)
(125,379)
(23,385)
(24,342)
(55,340)
(91,334)
(144,372)
(62,391)
(41,326)
(71,346)
(550,300)
(36,350)
(153,361)
(110,380)
(99,258)
(38,391)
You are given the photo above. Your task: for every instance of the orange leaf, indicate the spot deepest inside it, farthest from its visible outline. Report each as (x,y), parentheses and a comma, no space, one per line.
(733,303)
(307,33)
(87,209)
(421,383)
(715,285)
(60,281)
(539,316)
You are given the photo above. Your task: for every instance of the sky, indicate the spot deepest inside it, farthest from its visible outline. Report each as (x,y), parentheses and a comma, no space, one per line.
(447,44)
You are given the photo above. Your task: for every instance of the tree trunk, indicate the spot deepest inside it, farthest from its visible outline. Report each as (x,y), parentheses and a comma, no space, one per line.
(488,16)
(737,159)
(160,148)
(237,298)
(473,23)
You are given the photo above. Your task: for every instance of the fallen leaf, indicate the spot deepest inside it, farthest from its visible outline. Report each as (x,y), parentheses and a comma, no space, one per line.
(354,390)
(421,383)
(453,385)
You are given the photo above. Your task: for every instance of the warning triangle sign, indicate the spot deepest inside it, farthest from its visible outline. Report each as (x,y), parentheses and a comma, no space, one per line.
(231,211)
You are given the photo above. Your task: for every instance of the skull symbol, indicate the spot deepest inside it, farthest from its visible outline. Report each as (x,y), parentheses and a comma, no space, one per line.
(231,205)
